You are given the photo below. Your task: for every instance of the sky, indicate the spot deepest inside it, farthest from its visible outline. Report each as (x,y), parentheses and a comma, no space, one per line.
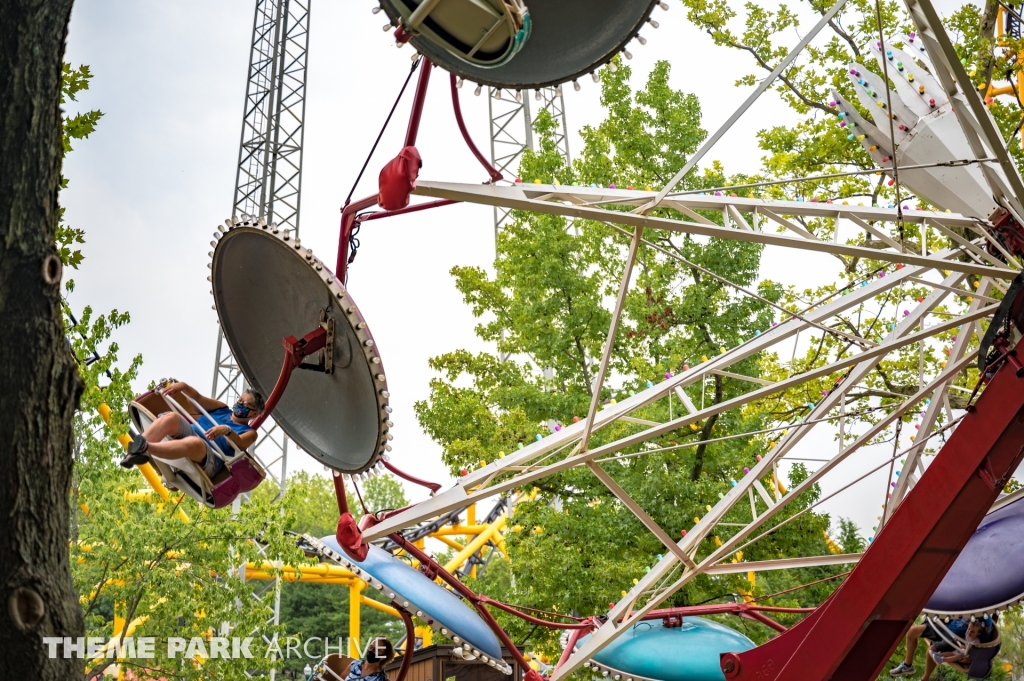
(157,177)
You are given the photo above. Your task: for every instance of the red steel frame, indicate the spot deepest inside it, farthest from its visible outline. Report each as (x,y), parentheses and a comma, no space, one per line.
(349,214)
(295,350)
(851,635)
(476,601)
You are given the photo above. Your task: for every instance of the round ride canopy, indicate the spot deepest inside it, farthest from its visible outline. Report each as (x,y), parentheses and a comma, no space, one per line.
(568,39)
(986,576)
(650,651)
(428,600)
(267,287)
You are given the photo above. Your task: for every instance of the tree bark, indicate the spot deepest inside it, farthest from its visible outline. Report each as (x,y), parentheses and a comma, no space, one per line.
(39,382)
(986,46)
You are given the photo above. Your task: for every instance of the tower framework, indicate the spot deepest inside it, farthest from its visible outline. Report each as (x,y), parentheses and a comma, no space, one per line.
(268,183)
(512,131)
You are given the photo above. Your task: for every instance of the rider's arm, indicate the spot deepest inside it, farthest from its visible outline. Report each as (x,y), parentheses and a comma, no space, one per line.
(245,440)
(207,403)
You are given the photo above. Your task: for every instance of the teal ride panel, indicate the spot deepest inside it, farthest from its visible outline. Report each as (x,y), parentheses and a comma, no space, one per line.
(690,652)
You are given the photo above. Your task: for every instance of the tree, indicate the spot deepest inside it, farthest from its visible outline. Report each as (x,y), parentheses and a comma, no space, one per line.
(572,545)
(41,386)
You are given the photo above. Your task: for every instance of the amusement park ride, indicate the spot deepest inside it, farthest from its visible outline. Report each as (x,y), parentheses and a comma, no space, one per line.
(307,345)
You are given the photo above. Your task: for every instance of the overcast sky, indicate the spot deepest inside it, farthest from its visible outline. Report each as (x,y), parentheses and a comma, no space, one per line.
(158,175)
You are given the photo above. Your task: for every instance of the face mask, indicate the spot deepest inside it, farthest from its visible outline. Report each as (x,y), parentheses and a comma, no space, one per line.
(241,411)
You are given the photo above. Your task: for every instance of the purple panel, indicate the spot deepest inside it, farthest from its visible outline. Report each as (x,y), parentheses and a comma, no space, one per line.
(989,573)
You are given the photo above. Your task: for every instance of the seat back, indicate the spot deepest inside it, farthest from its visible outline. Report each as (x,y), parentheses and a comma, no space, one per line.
(982,655)
(487,33)
(244,475)
(334,667)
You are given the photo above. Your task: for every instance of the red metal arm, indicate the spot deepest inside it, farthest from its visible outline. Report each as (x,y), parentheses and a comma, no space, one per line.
(409,209)
(432,486)
(410,642)
(348,219)
(495,175)
(417,104)
(534,620)
(574,638)
(295,351)
(465,592)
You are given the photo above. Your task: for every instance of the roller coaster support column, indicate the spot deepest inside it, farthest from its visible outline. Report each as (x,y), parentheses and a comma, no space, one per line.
(355,590)
(852,634)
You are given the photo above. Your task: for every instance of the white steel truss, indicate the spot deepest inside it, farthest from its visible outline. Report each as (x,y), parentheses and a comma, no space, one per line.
(975,255)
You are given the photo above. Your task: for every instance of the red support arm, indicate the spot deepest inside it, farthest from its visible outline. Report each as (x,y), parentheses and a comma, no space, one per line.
(495,175)
(409,209)
(417,104)
(465,592)
(574,638)
(348,219)
(410,642)
(294,352)
(432,486)
(535,620)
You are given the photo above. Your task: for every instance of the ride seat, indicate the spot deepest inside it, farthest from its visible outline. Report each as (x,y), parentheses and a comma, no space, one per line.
(981,655)
(486,33)
(241,473)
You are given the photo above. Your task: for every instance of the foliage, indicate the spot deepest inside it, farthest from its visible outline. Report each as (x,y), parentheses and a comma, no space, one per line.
(1011,625)
(76,127)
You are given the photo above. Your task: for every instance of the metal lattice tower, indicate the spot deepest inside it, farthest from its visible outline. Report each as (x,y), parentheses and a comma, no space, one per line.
(268,180)
(268,183)
(512,134)
(512,131)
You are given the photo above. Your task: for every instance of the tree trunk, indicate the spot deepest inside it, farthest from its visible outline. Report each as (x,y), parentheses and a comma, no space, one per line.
(39,382)
(986,46)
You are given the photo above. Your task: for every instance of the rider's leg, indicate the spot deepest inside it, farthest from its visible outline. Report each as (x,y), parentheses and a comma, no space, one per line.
(929,667)
(167,424)
(192,448)
(913,636)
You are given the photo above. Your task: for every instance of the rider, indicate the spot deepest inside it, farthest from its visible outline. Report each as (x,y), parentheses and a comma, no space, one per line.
(192,441)
(957,627)
(371,668)
(978,631)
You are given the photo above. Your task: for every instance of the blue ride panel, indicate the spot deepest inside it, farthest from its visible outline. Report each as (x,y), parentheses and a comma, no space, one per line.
(650,650)
(986,576)
(414,592)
